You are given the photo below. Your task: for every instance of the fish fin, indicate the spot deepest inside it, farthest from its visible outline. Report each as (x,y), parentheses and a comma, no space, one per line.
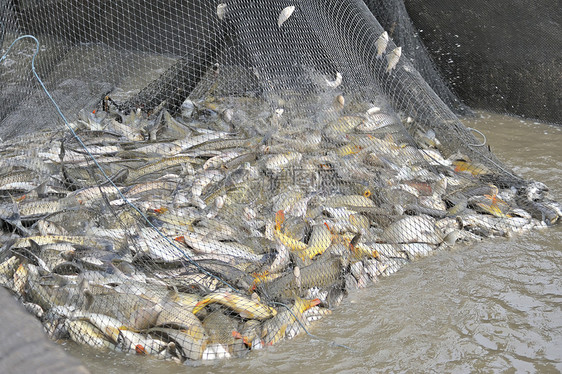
(42,189)
(139,349)
(279,219)
(35,248)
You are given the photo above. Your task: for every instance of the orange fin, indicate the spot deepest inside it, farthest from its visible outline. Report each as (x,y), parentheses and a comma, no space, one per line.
(279,219)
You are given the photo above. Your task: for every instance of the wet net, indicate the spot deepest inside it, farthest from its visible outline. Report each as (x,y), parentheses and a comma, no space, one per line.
(216,176)
(392,16)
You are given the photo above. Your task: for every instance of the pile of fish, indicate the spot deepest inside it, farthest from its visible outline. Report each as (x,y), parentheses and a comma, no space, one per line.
(231,226)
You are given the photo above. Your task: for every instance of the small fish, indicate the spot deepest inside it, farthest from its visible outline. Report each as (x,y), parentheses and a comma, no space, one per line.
(205,179)
(50,228)
(490,204)
(337,129)
(412,229)
(348,149)
(452,237)
(280,161)
(219,327)
(428,139)
(180,316)
(276,328)
(474,168)
(131,341)
(34,309)
(9,267)
(49,239)
(159,166)
(221,11)
(381,43)
(285,14)
(393,58)
(83,332)
(349,201)
(218,161)
(109,326)
(360,250)
(339,103)
(189,344)
(35,209)
(281,260)
(377,121)
(335,83)
(204,245)
(247,308)
(20,279)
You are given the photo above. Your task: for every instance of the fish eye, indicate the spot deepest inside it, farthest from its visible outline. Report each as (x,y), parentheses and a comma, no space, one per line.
(367,193)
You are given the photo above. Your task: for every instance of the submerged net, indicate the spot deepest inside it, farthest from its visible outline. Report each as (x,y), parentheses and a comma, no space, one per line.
(227,172)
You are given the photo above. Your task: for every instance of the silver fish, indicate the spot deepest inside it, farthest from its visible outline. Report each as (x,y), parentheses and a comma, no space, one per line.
(221,11)
(84,332)
(381,43)
(393,58)
(412,229)
(377,121)
(285,14)
(335,83)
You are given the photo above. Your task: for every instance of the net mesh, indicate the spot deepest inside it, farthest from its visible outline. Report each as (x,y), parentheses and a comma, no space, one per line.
(393,17)
(227,171)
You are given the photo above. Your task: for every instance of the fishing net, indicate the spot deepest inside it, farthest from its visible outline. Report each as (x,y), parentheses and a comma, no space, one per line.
(226,172)
(392,16)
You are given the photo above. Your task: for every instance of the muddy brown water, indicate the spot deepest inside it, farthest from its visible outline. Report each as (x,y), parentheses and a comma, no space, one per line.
(494,306)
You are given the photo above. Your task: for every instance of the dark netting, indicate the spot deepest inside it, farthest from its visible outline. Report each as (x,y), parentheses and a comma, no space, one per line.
(393,17)
(227,172)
